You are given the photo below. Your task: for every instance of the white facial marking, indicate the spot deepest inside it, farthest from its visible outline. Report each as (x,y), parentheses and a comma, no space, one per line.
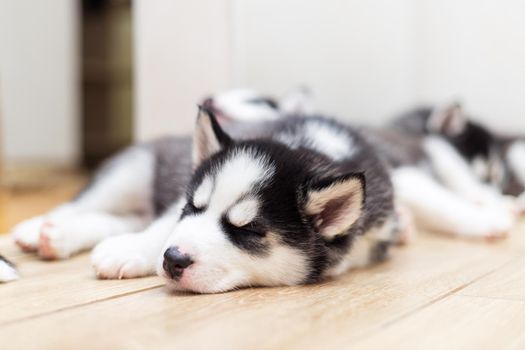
(236,178)
(219,264)
(243,213)
(202,195)
(284,266)
(516,159)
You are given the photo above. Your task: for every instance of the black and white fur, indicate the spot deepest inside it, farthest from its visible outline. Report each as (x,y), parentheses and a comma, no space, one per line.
(285,202)
(495,159)
(431,160)
(246,105)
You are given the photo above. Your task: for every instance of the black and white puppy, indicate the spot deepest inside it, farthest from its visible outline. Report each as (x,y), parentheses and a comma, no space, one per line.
(495,159)
(433,173)
(246,105)
(7,271)
(281,203)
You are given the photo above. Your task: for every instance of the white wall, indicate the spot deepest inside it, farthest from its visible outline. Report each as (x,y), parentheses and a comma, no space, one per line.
(182,53)
(474,50)
(365,60)
(38,80)
(356,55)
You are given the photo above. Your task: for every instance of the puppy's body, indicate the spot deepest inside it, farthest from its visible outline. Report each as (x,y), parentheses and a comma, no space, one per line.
(449,171)
(283,202)
(495,159)
(279,205)
(456,168)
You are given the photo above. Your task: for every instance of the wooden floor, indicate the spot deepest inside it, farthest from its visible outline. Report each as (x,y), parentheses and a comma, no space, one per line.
(437,293)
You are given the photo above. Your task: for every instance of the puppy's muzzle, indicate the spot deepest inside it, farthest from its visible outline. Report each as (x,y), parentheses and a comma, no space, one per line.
(175,262)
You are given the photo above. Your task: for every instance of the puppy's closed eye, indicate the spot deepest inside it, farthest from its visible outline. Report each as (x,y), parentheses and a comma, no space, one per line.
(190,209)
(251,229)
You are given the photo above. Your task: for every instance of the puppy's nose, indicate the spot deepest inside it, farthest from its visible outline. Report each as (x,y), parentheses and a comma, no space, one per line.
(175,262)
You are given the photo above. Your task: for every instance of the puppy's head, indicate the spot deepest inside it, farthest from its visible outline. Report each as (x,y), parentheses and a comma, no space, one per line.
(495,160)
(254,216)
(242,105)
(248,105)
(472,140)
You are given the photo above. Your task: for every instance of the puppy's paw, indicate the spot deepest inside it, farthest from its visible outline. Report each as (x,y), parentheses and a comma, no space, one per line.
(7,272)
(122,257)
(27,233)
(55,242)
(489,223)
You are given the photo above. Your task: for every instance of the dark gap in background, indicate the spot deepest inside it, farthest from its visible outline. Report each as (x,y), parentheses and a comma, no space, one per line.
(106,64)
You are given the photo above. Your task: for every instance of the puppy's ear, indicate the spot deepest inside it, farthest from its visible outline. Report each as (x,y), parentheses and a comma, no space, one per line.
(447,120)
(208,138)
(335,204)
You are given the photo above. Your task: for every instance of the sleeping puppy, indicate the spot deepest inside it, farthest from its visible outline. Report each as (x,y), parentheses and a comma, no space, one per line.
(284,202)
(433,173)
(246,105)
(495,159)
(7,271)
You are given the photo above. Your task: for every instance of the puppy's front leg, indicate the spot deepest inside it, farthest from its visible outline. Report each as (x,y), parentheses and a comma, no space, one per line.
(134,255)
(455,173)
(437,208)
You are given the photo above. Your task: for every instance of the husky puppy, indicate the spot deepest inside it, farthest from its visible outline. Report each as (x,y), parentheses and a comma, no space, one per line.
(433,182)
(495,159)
(245,105)
(281,203)
(7,270)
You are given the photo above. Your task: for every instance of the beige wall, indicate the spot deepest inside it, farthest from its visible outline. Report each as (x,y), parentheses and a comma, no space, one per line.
(38,80)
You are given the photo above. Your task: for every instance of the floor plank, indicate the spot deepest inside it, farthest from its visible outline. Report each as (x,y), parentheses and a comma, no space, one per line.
(46,287)
(343,310)
(9,249)
(457,322)
(506,283)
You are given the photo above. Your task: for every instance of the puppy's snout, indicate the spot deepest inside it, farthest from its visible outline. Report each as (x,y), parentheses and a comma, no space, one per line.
(175,262)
